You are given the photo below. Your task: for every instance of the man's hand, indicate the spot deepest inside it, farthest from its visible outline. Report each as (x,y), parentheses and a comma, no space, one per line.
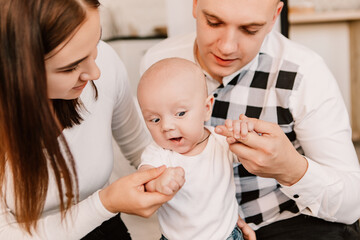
(247,231)
(266,152)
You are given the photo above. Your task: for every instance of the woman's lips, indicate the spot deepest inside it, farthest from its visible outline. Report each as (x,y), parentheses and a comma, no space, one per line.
(81,87)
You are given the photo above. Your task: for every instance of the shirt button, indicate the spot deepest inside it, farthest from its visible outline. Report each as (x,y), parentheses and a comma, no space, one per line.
(215,95)
(296,196)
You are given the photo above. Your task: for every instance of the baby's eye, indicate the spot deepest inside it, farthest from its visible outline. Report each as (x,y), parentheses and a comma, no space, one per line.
(155,120)
(180,114)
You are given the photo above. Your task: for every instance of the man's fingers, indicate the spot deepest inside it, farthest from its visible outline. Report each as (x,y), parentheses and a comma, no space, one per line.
(248,233)
(258,125)
(243,152)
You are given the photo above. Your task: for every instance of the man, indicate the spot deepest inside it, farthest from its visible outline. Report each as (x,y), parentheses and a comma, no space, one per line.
(300,176)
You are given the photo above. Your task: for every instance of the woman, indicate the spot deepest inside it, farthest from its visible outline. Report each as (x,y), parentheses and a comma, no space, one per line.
(56,124)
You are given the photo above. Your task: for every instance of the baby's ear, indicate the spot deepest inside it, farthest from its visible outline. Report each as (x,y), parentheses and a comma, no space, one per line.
(208,107)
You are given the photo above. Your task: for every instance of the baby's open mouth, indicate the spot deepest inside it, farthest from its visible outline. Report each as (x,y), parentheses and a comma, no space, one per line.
(178,139)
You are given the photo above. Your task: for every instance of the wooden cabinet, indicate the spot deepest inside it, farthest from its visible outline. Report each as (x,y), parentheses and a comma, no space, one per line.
(355,77)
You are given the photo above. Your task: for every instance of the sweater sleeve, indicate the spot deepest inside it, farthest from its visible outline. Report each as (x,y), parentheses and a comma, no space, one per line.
(128,128)
(78,221)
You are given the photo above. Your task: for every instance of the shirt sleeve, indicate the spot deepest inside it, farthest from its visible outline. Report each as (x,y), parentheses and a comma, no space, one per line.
(79,220)
(330,187)
(154,156)
(128,128)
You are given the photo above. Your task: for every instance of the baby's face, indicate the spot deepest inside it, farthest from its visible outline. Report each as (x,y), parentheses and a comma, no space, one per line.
(174,112)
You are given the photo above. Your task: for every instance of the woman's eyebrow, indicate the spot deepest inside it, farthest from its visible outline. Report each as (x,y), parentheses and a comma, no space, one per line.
(71,65)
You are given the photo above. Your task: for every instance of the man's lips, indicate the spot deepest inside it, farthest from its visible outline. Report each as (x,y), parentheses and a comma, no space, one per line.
(223,62)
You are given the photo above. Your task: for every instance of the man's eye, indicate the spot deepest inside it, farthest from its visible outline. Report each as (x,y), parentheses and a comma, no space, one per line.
(250,32)
(213,24)
(155,120)
(180,114)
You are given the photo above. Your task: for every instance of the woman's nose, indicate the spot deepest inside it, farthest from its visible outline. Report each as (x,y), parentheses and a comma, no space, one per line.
(92,72)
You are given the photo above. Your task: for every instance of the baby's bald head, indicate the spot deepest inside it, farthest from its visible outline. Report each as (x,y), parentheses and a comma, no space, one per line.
(173,74)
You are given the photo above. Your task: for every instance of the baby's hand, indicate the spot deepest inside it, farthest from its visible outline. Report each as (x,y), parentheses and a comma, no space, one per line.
(170,181)
(239,128)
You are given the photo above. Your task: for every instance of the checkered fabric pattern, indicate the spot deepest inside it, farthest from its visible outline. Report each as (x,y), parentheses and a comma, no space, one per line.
(262,91)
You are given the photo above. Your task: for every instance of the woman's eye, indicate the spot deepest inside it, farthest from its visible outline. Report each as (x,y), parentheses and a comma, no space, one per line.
(155,120)
(71,69)
(180,114)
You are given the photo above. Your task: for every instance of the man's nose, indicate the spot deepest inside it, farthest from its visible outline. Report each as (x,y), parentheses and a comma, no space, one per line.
(228,42)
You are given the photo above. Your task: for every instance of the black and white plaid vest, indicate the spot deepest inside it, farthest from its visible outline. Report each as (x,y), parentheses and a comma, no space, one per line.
(262,92)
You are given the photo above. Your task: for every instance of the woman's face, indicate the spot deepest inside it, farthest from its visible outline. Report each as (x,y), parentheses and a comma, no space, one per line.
(73,63)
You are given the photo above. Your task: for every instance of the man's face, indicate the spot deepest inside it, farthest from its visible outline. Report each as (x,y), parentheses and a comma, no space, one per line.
(230,32)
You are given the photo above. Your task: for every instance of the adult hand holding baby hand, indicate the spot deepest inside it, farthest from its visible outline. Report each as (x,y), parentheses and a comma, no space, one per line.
(128,195)
(172,179)
(266,151)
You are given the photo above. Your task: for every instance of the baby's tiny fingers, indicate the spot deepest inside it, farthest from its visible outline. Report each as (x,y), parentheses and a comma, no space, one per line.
(179,171)
(166,191)
(231,140)
(244,129)
(237,129)
(222,130)
(174,186)
(229,124)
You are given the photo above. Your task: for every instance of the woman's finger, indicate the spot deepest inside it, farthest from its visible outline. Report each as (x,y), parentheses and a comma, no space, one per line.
(142,177)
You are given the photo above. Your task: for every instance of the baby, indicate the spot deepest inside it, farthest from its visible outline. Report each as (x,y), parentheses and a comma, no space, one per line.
(173,98)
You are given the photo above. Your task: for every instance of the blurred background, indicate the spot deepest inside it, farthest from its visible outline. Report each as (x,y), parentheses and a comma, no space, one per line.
(330,28)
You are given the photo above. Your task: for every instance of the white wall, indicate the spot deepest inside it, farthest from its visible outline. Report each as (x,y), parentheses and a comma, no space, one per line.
(331,41)
(179,17)
(131,52)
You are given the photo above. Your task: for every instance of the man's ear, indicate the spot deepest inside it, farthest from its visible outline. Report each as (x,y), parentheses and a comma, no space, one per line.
(194,8)
(277,12)
(208,107)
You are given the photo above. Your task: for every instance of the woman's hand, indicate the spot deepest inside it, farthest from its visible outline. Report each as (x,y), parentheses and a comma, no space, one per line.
(128,195)
(170,181)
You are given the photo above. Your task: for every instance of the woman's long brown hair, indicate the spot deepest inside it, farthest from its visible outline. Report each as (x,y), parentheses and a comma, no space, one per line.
(31,142)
